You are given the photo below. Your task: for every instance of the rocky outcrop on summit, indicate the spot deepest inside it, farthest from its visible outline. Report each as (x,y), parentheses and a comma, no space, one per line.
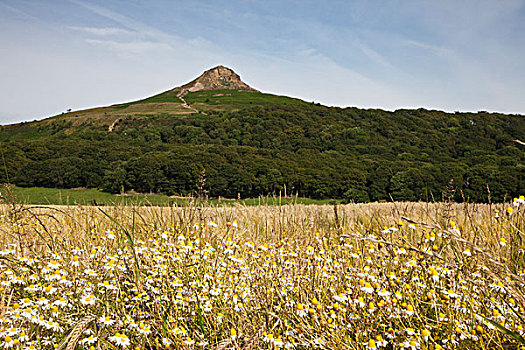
(218,78)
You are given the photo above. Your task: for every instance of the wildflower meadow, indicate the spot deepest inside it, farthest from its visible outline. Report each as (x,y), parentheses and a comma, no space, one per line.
(356,276)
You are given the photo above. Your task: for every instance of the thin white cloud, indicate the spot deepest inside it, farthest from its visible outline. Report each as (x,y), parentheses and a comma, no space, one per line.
(440,51)
(124,21)
(462,20)
(130,47)
(313,76)
(107,31)
(18,12)
(375,56)
(196,47)
(477,85)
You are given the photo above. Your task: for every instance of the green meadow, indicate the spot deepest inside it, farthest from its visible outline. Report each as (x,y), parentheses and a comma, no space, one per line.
(84,196)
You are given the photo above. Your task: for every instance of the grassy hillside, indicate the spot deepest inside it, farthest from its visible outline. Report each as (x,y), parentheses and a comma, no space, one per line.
(229,100)
(163,105)
(249,144)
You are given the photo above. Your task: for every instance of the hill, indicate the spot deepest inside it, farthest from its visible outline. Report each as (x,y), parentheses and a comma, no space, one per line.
(218,134)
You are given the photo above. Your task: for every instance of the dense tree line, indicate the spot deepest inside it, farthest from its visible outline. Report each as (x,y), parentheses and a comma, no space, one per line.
(313,151)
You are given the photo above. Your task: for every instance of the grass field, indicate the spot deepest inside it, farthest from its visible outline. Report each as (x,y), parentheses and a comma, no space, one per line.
(55,196)
(369,276)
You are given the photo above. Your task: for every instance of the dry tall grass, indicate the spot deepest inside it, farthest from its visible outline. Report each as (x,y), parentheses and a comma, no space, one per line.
(411,275)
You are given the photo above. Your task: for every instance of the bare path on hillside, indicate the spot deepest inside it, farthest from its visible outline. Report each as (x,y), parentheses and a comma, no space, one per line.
(110,128)
(185,104)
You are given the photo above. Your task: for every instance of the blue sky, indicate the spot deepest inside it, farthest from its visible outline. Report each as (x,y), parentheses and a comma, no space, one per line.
(447,55)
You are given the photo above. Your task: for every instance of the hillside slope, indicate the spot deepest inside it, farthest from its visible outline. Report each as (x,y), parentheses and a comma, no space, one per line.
(218,88)
(241,142)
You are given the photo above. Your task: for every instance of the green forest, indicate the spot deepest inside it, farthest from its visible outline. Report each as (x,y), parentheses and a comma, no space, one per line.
(305,149)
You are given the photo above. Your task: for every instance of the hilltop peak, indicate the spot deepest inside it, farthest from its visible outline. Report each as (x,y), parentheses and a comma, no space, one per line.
(217,78)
